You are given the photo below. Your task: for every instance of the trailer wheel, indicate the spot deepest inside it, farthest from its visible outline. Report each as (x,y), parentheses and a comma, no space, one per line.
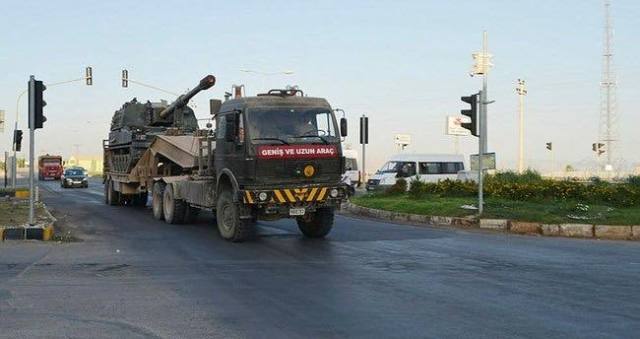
(174,209)
(230,226)
(112,197)
(156,200)
(317,224)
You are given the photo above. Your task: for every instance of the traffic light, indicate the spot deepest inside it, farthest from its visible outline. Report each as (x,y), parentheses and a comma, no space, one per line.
(598,148)
(36,89)
(364,130)
(125,78)
(88,76)
(550,146)
(17,140)
(472,113)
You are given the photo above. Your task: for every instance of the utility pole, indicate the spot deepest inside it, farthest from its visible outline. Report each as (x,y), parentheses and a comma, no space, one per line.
(522,91)
(608,118)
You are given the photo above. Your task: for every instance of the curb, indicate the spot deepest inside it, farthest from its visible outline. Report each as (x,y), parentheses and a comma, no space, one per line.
(611,232)
(44,231)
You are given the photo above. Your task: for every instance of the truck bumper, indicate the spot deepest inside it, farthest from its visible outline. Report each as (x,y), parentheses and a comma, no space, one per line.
(280,202)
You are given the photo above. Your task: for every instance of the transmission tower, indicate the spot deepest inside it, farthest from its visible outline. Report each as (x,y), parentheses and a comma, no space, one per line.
(608,132)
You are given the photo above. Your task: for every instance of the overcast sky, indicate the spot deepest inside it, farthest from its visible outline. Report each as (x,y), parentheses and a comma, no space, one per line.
(403,63)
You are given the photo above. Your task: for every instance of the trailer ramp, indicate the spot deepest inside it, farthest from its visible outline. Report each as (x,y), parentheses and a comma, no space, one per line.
(184,150)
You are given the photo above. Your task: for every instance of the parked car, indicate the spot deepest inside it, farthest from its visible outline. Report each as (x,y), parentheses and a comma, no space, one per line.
(74,177)
(425,167)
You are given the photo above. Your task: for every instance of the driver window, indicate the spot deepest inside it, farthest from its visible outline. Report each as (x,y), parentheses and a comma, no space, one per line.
(220,126)
(241,128)
(408,169)
(324,125)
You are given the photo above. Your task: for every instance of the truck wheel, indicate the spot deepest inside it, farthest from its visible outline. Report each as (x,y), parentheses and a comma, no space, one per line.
(318,224)
(156,200)
(174,209)
(230,226)
(112,197)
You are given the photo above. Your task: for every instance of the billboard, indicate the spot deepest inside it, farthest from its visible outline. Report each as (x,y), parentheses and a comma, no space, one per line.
(454,125)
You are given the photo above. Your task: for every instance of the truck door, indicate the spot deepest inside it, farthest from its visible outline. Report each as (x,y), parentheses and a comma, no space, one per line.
(230,144)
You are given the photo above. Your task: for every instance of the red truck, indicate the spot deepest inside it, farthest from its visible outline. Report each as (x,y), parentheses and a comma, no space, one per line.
(49,167)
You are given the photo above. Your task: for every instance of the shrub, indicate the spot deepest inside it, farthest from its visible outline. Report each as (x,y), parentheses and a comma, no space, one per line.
(400,187)
(417,188)
(634,181)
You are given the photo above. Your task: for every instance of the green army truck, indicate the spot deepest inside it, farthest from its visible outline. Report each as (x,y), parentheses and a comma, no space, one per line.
(271,156)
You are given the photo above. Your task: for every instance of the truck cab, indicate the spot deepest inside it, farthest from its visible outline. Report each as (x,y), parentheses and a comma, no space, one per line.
(278,155)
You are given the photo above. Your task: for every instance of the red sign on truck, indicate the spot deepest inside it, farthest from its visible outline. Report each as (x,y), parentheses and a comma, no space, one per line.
(297,151)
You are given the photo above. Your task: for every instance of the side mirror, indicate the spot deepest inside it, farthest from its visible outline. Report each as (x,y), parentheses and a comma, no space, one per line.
(214,106)
(343,127)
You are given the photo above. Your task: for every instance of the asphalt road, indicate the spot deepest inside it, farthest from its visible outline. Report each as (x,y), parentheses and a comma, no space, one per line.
(134,277)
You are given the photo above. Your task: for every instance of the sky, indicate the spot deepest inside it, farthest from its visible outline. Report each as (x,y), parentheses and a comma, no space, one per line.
(404,64)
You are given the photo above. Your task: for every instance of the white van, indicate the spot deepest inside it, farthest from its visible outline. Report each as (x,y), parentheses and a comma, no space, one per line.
(427,167)
(351,167)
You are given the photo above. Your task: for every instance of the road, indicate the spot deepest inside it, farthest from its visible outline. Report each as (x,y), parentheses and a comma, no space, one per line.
(131,276)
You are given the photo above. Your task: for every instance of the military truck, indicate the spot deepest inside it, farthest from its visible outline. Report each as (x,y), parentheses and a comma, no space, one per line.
(271,156)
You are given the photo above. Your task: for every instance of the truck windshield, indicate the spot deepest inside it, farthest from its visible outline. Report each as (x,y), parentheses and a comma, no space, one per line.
(293,125)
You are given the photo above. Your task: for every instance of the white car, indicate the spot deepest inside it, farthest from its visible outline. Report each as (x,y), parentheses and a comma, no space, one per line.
(425,167)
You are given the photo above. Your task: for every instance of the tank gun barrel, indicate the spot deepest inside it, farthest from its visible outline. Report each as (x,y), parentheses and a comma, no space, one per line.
(206,83)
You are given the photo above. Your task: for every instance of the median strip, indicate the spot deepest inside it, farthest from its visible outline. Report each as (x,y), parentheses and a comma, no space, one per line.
(14,214)
(613,232)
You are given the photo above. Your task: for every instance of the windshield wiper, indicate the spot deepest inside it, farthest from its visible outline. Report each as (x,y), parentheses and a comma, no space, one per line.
(312,136)
(276,139)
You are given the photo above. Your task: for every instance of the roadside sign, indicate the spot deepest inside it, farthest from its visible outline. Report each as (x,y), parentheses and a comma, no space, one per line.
(488,161)
(454,125)
(403,139)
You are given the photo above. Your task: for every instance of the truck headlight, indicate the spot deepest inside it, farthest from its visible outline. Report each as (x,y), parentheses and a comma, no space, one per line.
(334,193)
(262,196)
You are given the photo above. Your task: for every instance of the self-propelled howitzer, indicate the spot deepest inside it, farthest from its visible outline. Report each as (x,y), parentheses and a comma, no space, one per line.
(135,125)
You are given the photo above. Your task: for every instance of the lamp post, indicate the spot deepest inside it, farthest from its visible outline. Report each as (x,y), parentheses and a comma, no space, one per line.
(522,91)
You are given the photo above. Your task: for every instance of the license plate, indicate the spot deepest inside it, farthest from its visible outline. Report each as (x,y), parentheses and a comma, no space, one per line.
(296,211)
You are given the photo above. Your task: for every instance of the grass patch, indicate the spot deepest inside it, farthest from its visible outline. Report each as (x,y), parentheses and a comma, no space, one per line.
(549,211)
(16,212)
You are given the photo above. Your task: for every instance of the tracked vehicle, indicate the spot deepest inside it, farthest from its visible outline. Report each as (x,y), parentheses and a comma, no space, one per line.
(274,155)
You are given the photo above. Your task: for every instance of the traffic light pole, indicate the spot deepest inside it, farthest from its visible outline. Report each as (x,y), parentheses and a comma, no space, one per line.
(32,118)
(481,145)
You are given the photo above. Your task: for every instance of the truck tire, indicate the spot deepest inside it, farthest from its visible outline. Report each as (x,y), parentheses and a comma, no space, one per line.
(317,224)
(111,195)
(230,226)
(156,200)
(173,209)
